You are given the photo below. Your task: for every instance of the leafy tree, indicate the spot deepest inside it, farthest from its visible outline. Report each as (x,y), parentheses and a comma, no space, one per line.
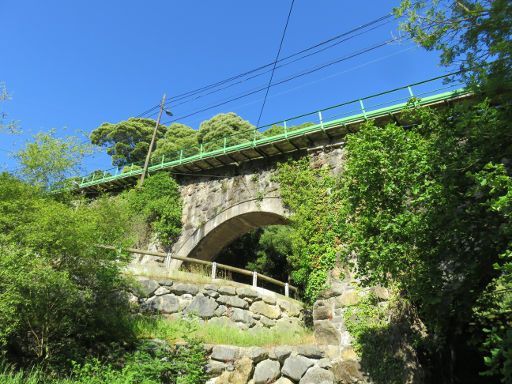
(127,141)
(159,201)
(177,137)
(10,126)
(49,161)
(236,130)
(473,34)
(58,291)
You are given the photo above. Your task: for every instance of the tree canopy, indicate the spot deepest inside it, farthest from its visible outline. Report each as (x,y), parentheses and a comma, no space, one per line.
(127,141)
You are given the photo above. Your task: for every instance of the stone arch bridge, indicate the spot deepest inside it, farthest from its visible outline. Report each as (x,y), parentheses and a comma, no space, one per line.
(228,190)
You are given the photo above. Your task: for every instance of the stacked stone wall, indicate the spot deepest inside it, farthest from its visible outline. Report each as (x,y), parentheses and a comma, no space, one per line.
(235,304)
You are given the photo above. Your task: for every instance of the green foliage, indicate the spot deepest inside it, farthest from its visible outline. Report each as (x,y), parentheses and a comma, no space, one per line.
(237,130)
(159,201)
(177,137)
(311,194)
(57,289)
(475,34)
(49,161)
(383,334)
(9,126)
(127,141)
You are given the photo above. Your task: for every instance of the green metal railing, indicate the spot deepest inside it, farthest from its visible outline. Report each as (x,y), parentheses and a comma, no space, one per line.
(344,114)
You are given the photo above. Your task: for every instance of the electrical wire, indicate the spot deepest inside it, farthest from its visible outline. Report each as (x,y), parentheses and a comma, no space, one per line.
(235,77)
(275,63)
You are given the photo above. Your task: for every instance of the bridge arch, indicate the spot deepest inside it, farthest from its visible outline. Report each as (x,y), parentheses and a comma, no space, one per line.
(209,239)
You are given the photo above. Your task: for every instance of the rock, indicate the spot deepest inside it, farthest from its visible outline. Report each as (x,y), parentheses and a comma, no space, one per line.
(202,306)
(336,289)
(163,304)
(283,380)
(267,322)
(381,293)
(348,298)
(256,354)
(281,353)
(326,333)
(132,299)
(290,308)
(181,288)
(242,315)
(295,366)
(240,374)
(211,287)
(317,375)
(269,300)
(311,351)
(145,288)
(212,294)
(271,311)
(266,372)
(288,323)
(246,292)
(349,354)
(215,367)
(324,363)
(226,290)
(221,310)
(233,301)
(224,353)
(161,291)
(165,283)
(322,310)
(347,372)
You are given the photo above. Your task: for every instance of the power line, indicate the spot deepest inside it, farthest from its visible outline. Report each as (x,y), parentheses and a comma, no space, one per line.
(235,77)
(275,62)
(307,72)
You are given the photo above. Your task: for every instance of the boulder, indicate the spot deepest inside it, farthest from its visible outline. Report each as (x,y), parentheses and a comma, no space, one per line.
(233,301)
(242,316)
(239,375)
(348,298)
(163,304)
(317,375)
(291,309)
(322,310)
(227,290)
(221,310)
(347,372)
(326,333)
(145,288)
(312,351)
(215,367)
(247,292)
(270,311)
(336,289)
(224,353)
(202,306)
(181,288)
(281,353)
(269,300)
(283,380)
(296,366)
(266,372)
(161,291)
(256,354)
(381,293)
(165,283)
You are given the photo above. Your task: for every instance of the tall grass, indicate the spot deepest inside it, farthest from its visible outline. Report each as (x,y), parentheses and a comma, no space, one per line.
(213,333)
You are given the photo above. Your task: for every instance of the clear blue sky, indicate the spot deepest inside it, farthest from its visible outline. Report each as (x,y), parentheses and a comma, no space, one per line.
(72,65)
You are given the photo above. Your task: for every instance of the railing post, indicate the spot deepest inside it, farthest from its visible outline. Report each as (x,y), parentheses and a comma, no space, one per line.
(181,155)
(285,129)
(321,120)
(410,91)
(254,137)
(163,157)
(225,141)
(254,279)
(168,260)
(201,151)
(362,108)
(214,270)
(286,290)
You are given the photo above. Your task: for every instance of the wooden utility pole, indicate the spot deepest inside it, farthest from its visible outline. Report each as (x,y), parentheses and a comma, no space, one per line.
(153,138)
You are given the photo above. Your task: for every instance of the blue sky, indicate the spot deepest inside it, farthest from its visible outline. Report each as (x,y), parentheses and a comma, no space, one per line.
(72,65)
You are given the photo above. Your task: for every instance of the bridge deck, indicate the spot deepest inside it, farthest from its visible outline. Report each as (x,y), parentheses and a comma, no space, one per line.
(290,140)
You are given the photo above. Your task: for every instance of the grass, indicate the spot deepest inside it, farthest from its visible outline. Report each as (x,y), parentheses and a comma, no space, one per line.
(210,333)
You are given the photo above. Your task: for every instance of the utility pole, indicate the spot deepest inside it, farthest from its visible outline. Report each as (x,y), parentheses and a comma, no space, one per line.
(153,138)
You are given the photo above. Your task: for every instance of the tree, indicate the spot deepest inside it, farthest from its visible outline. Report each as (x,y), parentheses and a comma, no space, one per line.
(236,130)
(127,141)
(59,292)
(10,126)
(49,161)
(177,137)
(474,35)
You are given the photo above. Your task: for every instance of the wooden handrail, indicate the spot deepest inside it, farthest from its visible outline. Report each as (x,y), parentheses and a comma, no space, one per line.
(208,263)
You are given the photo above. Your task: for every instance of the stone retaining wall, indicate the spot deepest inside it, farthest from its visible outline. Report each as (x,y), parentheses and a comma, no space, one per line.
(233,304)
(304,364)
